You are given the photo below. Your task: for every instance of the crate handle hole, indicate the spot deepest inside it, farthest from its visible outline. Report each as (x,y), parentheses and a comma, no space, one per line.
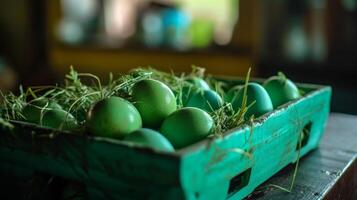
(240,181)
(304,135)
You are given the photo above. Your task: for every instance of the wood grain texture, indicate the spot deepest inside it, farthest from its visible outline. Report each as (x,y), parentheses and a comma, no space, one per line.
(330,172)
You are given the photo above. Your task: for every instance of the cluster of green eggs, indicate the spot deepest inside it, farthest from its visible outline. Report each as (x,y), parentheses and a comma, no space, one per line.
(152,118)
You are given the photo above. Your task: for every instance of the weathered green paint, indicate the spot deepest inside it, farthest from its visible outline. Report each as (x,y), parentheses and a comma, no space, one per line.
(113,170)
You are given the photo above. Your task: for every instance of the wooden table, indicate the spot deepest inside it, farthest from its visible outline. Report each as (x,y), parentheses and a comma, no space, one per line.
(330,172)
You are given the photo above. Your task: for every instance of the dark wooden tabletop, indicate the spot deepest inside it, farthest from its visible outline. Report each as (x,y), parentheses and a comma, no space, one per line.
(330,172)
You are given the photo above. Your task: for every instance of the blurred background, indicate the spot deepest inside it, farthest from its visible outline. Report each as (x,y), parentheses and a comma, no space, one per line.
(309,40)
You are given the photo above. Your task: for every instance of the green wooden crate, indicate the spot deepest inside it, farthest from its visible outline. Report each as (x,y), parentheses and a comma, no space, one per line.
(229,167)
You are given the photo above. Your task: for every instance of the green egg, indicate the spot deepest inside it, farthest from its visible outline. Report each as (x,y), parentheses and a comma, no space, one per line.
(187,126)
(255,93)
(198,83)
(207,100)
(281,90)
(232,93)
(32,111)
(195,85)
(59,119)
(113,117)
(150,138)
(154,100)
(49,114)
